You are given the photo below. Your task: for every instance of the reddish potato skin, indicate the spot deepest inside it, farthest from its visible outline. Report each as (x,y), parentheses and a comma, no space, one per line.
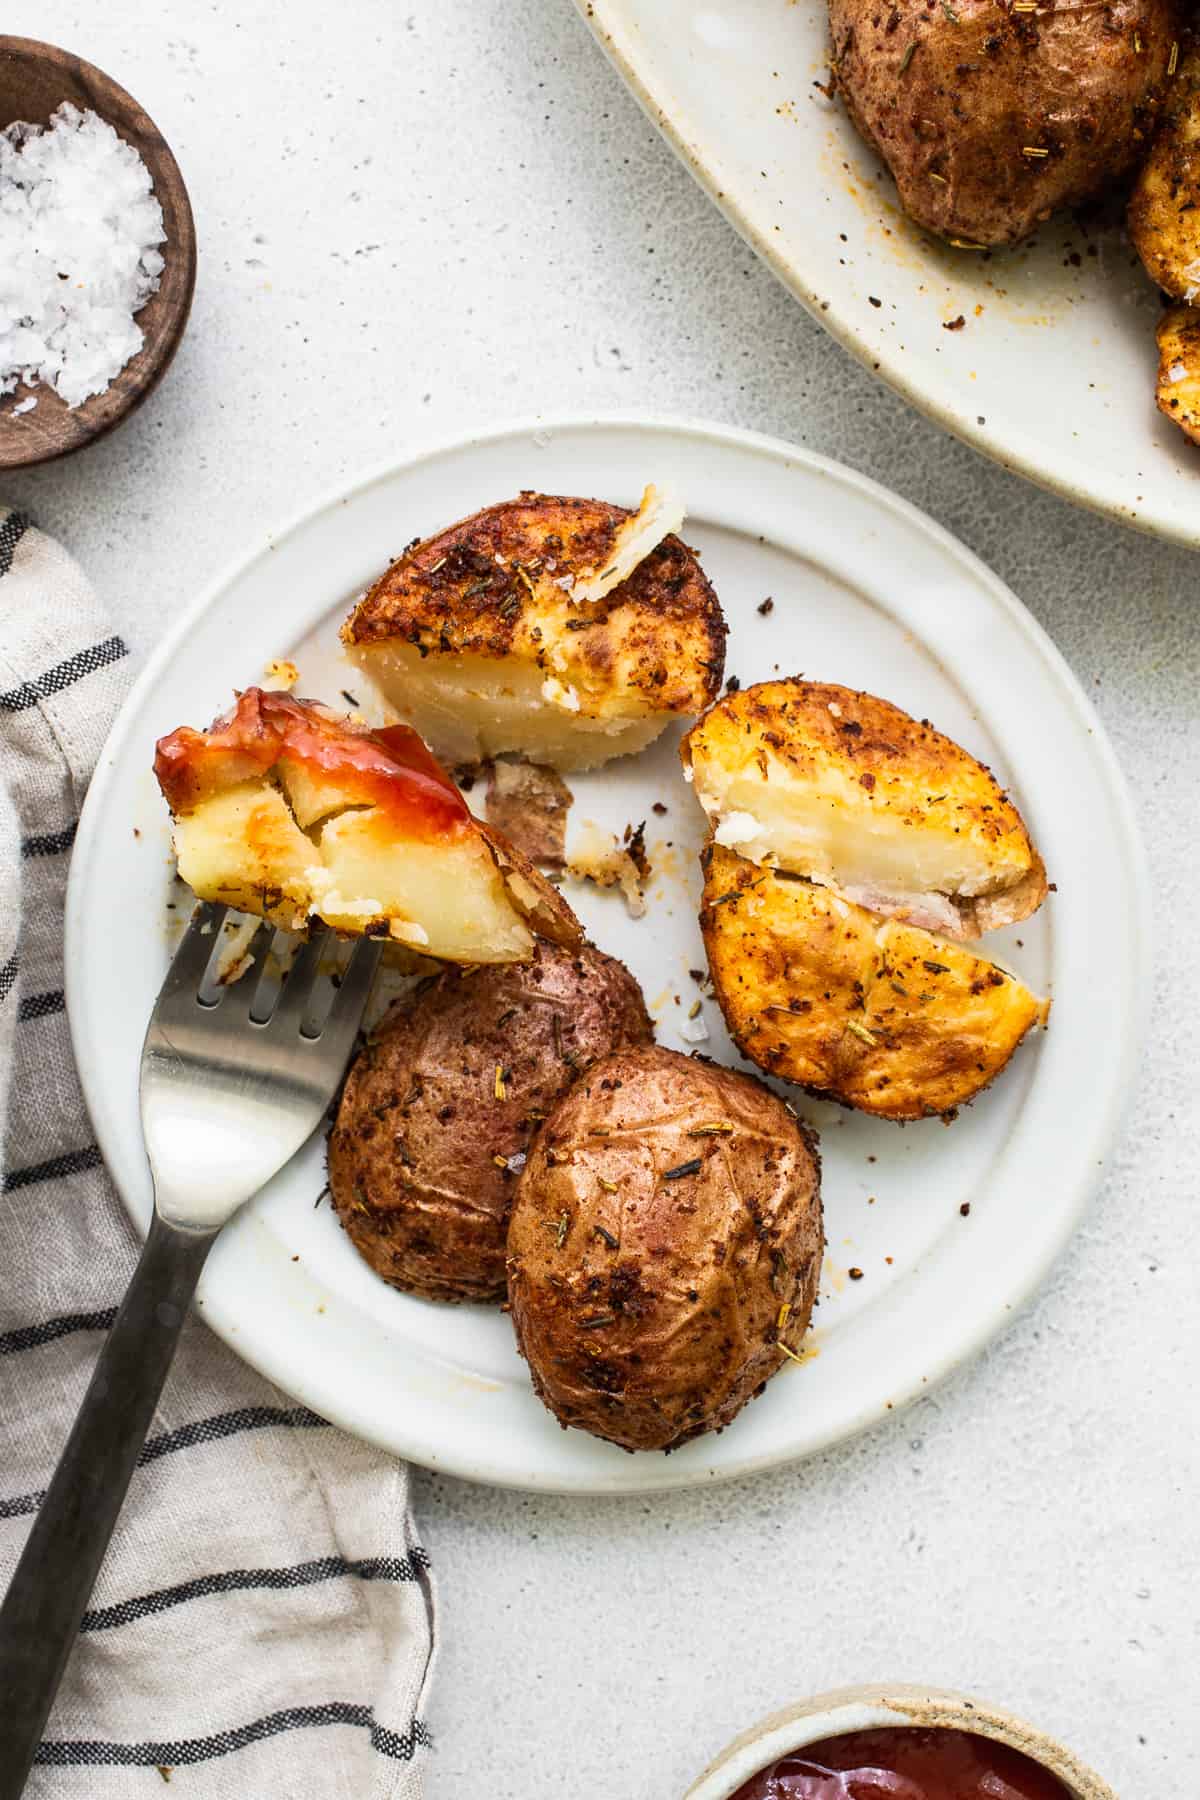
(955,94)
(648,1308)
(411,1153)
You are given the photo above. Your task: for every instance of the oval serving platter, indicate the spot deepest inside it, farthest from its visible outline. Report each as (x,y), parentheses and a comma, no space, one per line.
(1052,369)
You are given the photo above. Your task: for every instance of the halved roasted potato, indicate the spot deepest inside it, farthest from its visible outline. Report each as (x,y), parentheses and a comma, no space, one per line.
(852,793)
(569,631)
(1164,208)
(1179,368)
(286,809)
(872,1012)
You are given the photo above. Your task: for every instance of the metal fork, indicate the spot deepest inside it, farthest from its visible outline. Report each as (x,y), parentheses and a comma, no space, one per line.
(229,1092)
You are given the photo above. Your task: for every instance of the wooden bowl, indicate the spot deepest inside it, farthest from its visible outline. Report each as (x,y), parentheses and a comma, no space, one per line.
(35,79)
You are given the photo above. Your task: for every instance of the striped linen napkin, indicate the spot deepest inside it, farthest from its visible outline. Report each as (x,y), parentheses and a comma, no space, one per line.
(263,1623)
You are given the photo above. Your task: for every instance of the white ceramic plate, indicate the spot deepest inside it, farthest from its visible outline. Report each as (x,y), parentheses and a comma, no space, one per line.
(866,591)
(1053,371)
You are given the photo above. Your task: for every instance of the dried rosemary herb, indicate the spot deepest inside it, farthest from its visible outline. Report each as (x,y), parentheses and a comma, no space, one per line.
(691,1167)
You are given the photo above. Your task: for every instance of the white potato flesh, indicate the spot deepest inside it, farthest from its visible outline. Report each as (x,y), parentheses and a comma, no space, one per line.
(451,891)
(826,828)
(311,793)
(242,845)
(474,707)
(446,897)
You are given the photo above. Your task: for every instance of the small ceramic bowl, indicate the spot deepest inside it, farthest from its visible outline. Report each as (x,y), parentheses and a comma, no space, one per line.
(867,1708)
(35,79)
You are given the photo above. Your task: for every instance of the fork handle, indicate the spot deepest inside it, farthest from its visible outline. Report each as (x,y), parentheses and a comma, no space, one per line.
(41,1612)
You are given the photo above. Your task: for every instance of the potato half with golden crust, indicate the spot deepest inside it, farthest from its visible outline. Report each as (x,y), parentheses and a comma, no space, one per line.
(858,796)
(440,1106)
(286,809)
(1164,208)
(992,116)
(879,1015)
(664,1248)
(1179,368)
(481,638)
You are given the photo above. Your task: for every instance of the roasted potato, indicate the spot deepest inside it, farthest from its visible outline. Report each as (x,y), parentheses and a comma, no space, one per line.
(566,630)
(286,809)
(664,1248)
(439,1108)
(1179,368)
(990,117)
(856,795)
(880,1015)
(1164,208)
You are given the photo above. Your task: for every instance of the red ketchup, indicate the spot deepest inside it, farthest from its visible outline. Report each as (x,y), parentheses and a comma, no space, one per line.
(392,769)
(905,1763)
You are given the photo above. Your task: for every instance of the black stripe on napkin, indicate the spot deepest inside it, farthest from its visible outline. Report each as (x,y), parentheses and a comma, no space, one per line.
(8,975)
(76,1753)
(236,1581)
(20,1504)
(29,1337)
(63,674)
(40,1006)
(200,1431)
(50,843)
(12,530)
(71,1162)
(223,1425)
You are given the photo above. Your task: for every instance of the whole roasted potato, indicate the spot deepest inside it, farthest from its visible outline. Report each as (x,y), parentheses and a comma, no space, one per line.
(991,116)
(440,1105)
(664,1248)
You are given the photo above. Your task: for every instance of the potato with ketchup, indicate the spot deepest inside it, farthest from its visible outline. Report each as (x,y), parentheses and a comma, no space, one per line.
(288,809)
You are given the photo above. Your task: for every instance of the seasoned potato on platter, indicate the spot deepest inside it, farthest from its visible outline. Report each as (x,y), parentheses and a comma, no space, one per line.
(1179,368)
(1164,208)
(991,117)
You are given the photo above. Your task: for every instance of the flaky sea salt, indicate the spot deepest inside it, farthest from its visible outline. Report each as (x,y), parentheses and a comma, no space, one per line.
(79,235)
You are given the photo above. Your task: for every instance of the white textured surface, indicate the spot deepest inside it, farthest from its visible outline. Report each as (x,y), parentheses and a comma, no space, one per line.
(414,218)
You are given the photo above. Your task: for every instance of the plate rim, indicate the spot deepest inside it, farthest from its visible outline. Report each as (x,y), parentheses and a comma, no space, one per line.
(991,1321)
(609,24)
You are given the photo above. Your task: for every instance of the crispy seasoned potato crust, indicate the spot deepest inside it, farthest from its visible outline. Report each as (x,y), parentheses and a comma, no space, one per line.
(1179,368)
(1164,208)
(880,1015)
(285,809)
(855,794)
(991,118)
(665,1241)
(439,1109)
(474,635)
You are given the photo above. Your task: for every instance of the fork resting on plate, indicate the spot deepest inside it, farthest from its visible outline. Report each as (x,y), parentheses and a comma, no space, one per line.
(231,1086)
